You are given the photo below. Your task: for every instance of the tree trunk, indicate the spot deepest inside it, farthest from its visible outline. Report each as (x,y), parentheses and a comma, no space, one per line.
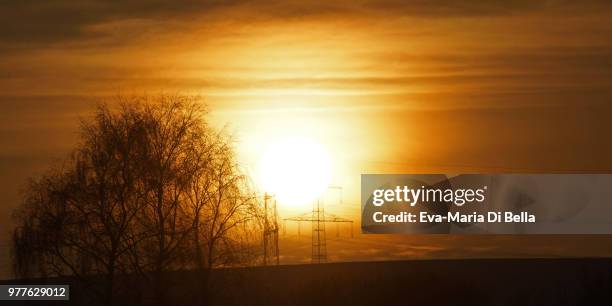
(109,286)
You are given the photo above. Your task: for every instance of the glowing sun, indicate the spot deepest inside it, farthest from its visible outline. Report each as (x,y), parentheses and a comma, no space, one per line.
(296,170)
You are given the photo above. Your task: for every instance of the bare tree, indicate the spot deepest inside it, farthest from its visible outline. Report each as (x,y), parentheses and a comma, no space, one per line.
(150,188)
(75,220)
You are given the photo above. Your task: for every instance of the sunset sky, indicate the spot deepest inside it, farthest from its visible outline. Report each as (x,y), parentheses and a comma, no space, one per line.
(386,87)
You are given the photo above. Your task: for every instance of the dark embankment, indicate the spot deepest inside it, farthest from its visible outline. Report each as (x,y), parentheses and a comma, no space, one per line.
(422,282)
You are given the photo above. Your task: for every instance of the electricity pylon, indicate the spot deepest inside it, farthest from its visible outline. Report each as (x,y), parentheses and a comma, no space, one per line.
(270,238)
(318,219)
(319,241)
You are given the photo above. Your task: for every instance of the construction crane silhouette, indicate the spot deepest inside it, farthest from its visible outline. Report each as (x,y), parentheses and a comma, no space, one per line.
(318,218)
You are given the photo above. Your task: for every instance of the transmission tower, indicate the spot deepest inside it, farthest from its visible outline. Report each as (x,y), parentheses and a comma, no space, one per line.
(319,243)
(318,219)
(270,238)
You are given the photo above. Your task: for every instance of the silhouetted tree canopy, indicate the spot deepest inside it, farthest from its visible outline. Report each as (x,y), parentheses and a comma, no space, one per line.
(150,188)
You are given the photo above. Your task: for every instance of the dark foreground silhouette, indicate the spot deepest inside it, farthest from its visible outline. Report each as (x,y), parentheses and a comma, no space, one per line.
(420,282)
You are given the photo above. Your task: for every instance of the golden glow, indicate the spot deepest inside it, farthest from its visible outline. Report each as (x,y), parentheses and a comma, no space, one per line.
(295,169)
